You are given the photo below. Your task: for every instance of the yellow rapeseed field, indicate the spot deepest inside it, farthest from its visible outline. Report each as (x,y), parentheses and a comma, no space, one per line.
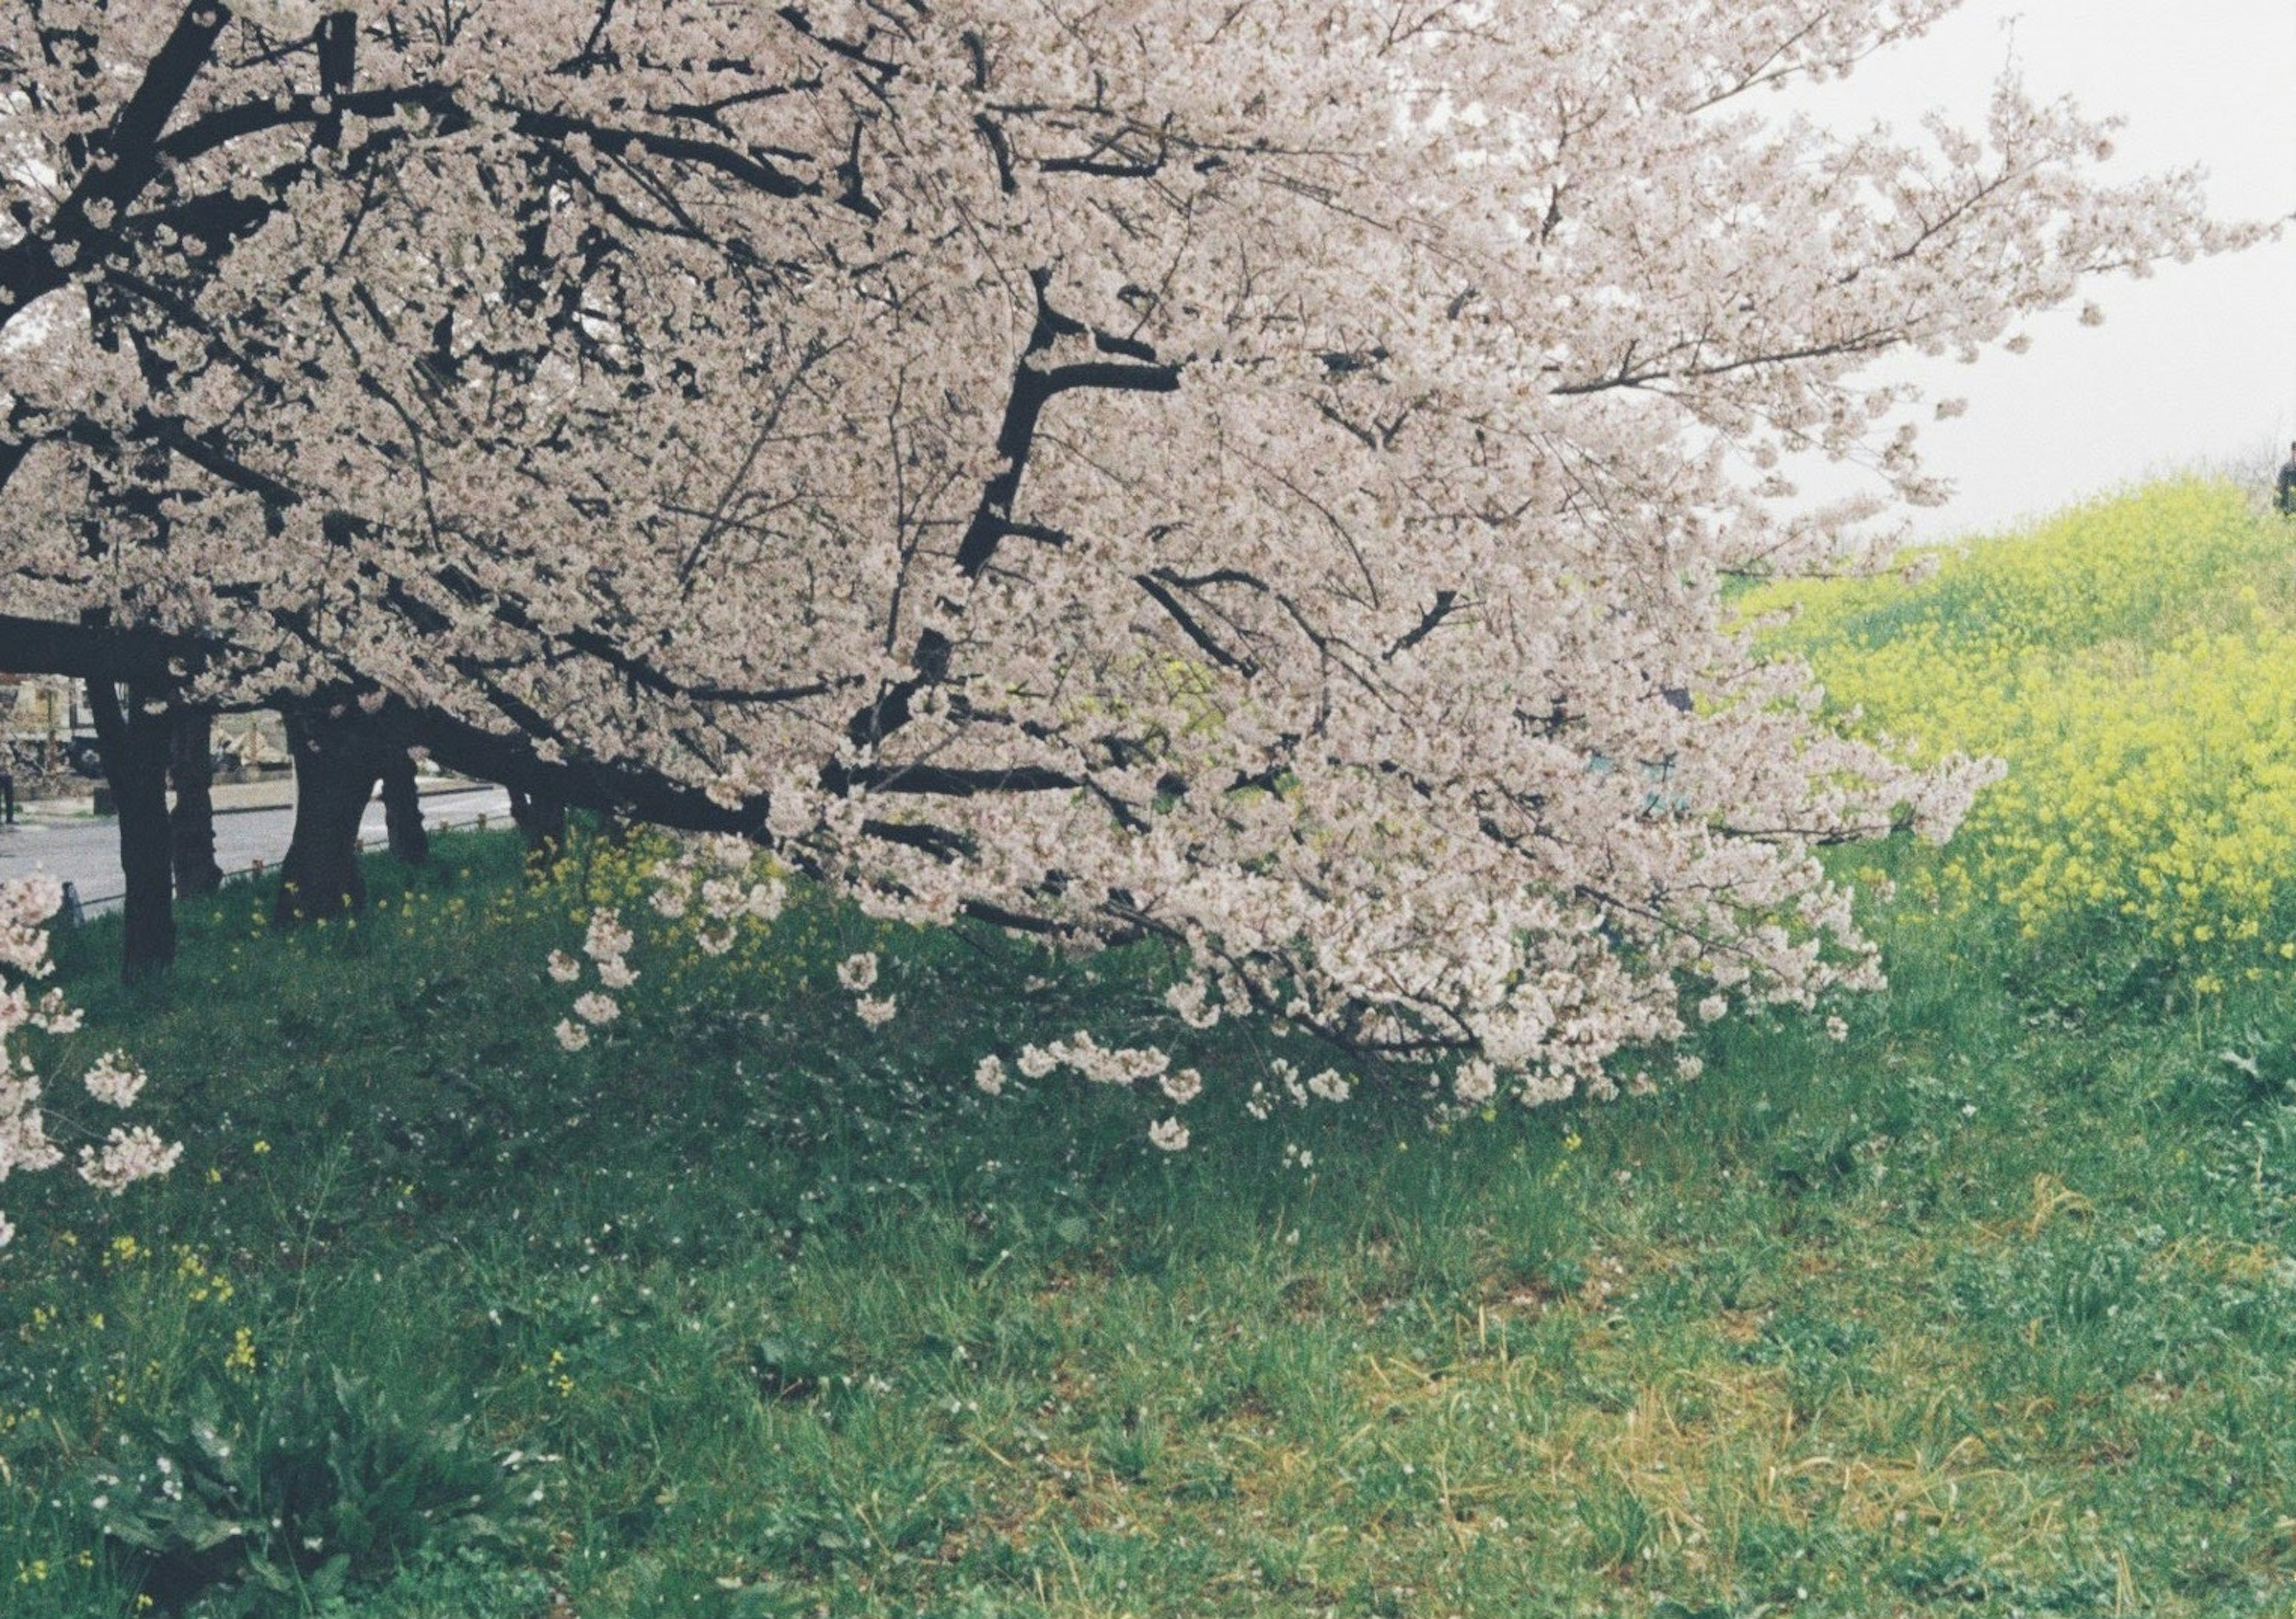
(2134,663)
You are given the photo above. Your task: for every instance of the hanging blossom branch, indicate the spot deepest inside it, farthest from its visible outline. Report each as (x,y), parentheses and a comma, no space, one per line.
(125,1154)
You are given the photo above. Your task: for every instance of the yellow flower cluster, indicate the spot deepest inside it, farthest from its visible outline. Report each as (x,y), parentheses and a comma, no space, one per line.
(2134,662)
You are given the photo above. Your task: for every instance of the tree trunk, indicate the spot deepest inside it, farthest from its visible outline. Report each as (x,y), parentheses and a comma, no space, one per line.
(402,808)
(543,819)
(191,822)
(135,747)
(337,763)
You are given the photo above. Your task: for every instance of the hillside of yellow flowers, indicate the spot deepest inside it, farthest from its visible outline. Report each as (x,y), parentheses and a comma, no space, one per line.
(2133,662)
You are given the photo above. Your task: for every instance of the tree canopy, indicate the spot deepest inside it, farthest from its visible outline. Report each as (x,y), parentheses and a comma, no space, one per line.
(1261,475)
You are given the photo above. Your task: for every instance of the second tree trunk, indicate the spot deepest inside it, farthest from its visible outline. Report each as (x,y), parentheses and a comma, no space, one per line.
(191,822)
(338,760)
(135,746)
(402,808)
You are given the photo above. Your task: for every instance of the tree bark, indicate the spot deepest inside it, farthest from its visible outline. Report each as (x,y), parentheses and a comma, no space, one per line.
(190,765)
(542,817)
(135,748)
(337,763)
(402,808)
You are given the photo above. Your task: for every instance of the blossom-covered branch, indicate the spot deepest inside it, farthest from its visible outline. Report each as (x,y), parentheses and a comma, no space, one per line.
(127,1153)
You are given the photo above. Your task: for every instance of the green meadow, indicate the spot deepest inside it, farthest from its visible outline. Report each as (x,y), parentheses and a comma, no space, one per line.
(751,1310)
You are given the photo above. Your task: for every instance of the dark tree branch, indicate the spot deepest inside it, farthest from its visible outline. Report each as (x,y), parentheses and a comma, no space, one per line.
(1445,600)
(1154,586)
(122,160)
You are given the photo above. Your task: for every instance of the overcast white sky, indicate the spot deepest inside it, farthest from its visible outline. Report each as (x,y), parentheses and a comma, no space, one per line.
(2197,364)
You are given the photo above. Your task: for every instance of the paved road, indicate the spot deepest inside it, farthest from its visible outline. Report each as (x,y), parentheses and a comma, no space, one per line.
(85,852)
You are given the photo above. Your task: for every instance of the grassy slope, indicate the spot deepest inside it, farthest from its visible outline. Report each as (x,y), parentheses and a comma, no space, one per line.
(1986,1311)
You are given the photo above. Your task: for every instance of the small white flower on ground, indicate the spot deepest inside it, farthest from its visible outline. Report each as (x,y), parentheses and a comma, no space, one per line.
(1169,1134)
(1836,1030)
(988,1074)
(858,972)
(1184,1087)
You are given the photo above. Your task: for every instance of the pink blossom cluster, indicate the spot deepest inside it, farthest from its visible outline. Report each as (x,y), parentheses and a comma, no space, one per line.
(1327,1084)
(716,885)
(1102,1064)
(857,974)
(606,943)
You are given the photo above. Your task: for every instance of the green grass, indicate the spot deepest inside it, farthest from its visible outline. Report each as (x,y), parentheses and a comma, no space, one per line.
(1988,1310)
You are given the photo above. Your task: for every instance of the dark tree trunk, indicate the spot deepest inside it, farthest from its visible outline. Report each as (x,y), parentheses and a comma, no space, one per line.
(402,808)
(98,652)
(135,748)
(543,819)
(190,765)
(337,763)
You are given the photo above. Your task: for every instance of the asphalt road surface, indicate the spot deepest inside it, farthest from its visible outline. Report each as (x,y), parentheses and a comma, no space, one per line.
(84,851)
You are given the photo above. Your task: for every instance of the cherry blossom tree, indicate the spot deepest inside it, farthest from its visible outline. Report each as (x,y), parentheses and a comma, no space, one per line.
(1262,476)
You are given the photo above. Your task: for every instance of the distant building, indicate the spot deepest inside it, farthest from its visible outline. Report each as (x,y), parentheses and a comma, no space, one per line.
(253,741)
(36,706)
(44,723)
